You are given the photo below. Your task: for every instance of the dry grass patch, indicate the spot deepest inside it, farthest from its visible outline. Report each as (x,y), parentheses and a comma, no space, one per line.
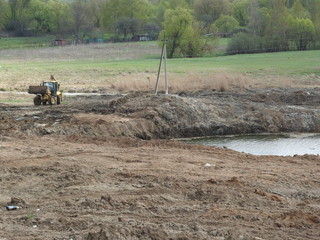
(177,82)
(107,51)
(217,81)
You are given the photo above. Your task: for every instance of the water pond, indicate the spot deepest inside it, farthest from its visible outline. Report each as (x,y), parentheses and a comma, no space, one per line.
(266,144)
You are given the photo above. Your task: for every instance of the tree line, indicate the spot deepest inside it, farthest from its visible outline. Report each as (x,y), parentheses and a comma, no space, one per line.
(187,25)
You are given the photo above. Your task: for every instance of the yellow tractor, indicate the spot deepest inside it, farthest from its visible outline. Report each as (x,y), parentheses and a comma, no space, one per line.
(47,92)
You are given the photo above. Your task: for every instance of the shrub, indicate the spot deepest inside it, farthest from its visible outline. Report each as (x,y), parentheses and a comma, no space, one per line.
(246,43)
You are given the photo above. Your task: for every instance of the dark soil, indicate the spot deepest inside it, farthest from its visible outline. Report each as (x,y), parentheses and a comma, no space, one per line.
(147,116)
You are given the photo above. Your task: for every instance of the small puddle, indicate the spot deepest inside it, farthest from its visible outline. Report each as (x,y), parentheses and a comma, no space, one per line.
(265,144)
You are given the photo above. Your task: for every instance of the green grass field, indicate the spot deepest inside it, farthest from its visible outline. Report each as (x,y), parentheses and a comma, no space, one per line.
(94,67)
(283,63)
(25,42)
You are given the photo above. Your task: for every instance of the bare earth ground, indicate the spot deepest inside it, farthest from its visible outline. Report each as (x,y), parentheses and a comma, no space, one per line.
(95,168)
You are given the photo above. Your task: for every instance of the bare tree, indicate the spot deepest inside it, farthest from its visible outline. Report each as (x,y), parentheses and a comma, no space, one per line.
(96,7)
(257,20)
(82,21)
(208,11)
(126,25)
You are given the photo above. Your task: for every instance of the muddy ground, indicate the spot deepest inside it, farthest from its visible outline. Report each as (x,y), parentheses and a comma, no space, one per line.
(104,167)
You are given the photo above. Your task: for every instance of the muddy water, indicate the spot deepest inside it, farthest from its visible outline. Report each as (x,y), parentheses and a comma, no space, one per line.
(280,145)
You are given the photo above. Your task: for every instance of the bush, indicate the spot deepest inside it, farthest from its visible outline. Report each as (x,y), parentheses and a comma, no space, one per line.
(242,43)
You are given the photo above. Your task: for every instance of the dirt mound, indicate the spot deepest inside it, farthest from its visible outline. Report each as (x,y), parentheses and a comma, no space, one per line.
(147,116)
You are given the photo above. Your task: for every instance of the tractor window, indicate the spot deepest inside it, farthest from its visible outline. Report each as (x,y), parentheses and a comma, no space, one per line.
(51,85)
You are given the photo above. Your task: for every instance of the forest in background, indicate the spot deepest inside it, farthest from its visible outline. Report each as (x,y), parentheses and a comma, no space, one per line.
(188,25)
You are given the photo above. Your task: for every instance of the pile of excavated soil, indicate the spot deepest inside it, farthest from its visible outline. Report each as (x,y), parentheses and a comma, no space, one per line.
(84,169)
(147,116)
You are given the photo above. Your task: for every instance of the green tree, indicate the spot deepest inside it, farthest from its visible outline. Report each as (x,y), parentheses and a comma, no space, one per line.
(298,11)
(226,24)
(313,6)
(82,20)
(161,6)
(182,38)
(192,44)
(263,3)
(309,4)
(16,17)
(2,12)
(126,25)
(277,29)
(133,9)
(208,11)
(242,43)
(60,15)
(173,4)
(279,25)
(259,18)
(240,11)
(289,3)
(39,13)
(302,32)
(96,7)
(159,11)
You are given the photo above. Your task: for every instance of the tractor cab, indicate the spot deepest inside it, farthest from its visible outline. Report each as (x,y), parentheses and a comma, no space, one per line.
(53,86)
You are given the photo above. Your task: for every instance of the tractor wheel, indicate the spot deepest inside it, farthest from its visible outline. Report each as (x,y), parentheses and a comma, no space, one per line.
(52,100)
(58,100)
(37,100)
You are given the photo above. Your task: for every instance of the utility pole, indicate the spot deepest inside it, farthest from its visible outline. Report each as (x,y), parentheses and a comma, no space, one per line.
(163,56)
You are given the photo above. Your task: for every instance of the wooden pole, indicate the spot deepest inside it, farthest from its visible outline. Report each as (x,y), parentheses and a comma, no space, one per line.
(157,84)
(165,67)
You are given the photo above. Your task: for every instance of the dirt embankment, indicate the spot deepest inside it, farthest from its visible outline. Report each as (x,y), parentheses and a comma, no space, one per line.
(175,116)
(79,172)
